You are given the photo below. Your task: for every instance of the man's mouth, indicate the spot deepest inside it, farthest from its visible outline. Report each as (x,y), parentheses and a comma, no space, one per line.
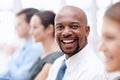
(69,41)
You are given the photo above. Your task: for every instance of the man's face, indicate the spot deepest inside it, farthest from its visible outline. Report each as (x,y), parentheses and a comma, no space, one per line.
(22,26)
(70,32)
(110,44)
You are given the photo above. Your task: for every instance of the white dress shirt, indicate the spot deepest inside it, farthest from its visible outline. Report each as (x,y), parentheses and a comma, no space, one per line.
(82,66)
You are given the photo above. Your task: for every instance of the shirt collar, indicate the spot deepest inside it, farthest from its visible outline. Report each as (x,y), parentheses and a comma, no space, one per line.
(29,42)
(76,59)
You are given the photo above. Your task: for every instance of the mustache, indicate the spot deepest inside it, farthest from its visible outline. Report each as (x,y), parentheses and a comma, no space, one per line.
(67,36)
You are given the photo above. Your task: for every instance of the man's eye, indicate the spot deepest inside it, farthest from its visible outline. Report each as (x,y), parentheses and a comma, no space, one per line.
(59,27)
(75,26)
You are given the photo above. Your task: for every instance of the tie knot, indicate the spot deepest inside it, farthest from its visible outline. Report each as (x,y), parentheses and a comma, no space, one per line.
(63,66)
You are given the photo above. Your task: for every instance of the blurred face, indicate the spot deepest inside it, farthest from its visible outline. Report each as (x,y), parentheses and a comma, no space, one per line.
(70,32)
(110,44)
(37,29)
(22,26)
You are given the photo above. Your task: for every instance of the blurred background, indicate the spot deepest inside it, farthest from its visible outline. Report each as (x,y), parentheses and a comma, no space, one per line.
(8,9)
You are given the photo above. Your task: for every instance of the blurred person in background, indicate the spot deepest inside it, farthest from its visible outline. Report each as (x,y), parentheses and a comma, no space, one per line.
(110,43)
(21,61)
(42,29)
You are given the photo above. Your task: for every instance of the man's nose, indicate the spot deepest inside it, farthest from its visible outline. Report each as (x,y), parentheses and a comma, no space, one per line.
(67,32)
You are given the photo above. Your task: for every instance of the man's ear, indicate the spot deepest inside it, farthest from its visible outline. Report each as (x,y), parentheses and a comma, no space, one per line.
(87,30)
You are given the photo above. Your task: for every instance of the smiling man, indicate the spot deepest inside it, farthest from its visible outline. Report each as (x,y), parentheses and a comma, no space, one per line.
(71,30)
(78,63)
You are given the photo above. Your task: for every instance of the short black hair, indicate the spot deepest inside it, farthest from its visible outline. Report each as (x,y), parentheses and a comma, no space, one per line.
(29,12)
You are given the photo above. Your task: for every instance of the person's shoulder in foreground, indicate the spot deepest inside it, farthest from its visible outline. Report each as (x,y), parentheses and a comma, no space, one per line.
(71,32)
(110,40)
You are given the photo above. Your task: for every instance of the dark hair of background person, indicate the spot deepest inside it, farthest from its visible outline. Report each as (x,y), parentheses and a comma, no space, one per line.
(113,12)
(29,12)
(47,18)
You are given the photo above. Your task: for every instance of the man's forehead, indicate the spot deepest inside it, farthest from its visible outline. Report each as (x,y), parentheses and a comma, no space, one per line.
(67,13)
(71,11)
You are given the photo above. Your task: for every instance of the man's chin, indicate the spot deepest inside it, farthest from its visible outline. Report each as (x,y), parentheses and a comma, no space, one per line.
(69,53)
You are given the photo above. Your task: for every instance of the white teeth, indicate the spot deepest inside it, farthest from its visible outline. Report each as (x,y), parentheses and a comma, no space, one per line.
(68,41)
